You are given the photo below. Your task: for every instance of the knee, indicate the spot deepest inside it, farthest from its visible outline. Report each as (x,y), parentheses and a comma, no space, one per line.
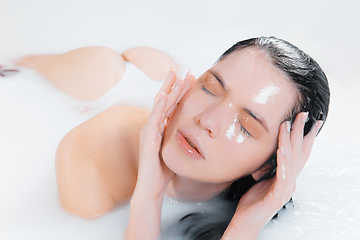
(154,63)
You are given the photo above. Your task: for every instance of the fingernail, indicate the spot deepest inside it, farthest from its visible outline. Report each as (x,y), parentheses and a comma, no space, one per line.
(288,126)
(188,75)
(172,70)
(282,150)
(318,124)
(304,117)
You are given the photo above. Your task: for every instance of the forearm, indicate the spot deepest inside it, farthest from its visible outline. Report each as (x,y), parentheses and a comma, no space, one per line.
(153,174)
(247,222)
(244,226)
(145,217)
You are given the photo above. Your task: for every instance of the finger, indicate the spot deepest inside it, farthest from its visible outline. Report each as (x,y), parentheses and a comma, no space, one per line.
(309,141)
(189,83)
(178,95)
(297,134)
(178,91)
(168,84)
(169,81)
(157,114)
(284,184)
(151,130)
(174,93)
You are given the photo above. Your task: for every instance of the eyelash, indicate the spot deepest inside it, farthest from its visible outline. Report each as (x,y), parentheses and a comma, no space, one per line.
(245,131)
(207,91)
(241,126)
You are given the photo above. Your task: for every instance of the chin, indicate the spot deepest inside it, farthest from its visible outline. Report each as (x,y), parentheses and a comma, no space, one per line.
(186,167)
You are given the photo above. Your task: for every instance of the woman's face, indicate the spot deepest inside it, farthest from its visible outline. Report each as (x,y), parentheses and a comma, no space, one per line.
(227,125)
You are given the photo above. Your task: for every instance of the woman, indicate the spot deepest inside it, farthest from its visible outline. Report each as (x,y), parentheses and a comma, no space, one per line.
(203,137)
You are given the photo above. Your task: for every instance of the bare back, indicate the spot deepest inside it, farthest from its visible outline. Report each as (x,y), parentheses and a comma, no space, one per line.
(96,162)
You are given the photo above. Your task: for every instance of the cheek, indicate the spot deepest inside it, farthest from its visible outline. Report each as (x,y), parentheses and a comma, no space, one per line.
(167,153)
(242,159)
(182,117)
(188,106)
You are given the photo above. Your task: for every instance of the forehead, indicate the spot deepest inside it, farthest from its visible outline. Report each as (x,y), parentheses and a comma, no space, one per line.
(253,82)
(250,63)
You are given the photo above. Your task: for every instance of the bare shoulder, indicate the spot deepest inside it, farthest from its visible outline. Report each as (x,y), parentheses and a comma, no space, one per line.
(96,162)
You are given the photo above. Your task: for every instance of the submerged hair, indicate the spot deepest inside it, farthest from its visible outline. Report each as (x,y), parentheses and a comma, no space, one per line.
(314,97)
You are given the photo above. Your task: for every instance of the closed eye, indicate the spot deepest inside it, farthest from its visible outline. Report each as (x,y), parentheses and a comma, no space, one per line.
(211,85)
(244,131)
(207,91)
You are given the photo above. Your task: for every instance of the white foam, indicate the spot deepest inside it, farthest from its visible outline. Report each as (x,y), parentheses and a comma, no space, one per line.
(240,138)
(231,131)
(266,93)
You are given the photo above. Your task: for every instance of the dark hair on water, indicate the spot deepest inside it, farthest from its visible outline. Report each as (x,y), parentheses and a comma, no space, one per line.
(314,97)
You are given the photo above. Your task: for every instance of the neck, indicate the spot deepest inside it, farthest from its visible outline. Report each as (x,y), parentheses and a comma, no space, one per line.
(185,189)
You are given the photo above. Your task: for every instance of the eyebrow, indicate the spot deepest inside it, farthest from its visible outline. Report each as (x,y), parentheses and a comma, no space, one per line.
(257,118)
(254,115)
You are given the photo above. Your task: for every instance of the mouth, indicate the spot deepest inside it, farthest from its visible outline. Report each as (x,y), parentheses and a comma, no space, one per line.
(191,144)
(188,146)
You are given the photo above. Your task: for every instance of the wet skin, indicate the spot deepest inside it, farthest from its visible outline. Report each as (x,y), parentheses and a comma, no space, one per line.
(233,134)
(212,116)
(225,127)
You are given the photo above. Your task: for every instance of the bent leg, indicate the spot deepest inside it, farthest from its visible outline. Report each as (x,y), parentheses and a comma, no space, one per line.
(154,63)
(84,73)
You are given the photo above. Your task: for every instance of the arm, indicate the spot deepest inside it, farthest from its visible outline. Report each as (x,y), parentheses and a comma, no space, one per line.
(263,200)
(153,174)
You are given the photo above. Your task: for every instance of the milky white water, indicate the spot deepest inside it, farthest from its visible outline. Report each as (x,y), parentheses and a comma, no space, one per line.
(35,116)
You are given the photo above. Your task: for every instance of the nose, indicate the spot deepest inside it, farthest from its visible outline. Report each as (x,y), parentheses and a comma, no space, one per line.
(210,120)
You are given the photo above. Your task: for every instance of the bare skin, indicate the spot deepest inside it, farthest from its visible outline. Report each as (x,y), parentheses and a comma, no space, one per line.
(97,168)
(262,201)
(115,155)
(88,73)
(97,162)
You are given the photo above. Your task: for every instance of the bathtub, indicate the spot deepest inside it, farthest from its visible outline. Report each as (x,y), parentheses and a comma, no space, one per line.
(35,116)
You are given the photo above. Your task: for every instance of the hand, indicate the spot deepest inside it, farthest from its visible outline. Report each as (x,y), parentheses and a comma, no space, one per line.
(264,199)
(153,174)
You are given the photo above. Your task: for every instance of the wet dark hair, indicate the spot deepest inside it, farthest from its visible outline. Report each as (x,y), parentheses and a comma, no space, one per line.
(314,97)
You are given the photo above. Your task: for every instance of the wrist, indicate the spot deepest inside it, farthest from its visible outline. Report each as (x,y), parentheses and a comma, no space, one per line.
(143,200)
(239,232)
(240,228)
(144,192)
(151,187)
(145,217)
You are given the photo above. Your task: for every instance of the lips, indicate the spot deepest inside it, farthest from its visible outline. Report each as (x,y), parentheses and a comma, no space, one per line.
(189,145)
